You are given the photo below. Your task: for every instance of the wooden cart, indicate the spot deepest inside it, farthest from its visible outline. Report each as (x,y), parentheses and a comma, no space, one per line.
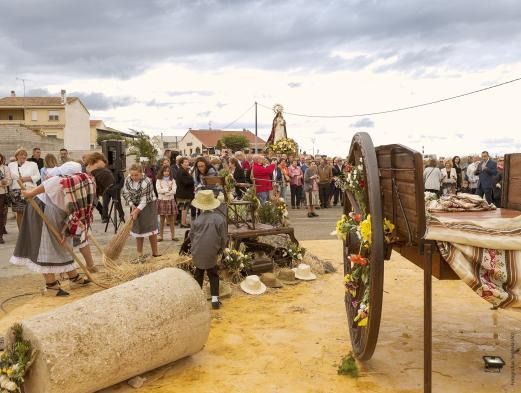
(395,190)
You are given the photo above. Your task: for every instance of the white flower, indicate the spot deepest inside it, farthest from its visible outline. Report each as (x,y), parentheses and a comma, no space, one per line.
(11,386)
(226,250)
(3,380)
(360,167)
(361,159)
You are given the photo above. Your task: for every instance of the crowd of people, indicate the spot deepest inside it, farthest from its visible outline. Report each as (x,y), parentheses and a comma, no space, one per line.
(306,181)
(479,175)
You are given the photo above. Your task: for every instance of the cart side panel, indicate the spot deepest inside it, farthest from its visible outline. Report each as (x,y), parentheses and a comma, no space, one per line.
(401,181)
(511,195)
(403,202)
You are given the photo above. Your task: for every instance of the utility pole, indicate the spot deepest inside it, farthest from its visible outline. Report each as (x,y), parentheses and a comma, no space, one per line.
(313,140)
(23,82)
(256,130)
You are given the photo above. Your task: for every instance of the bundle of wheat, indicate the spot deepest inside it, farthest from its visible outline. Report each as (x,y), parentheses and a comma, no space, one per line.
(115,246)
(126,271)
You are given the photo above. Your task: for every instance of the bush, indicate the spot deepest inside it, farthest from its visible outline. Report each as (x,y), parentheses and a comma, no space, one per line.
(234,142)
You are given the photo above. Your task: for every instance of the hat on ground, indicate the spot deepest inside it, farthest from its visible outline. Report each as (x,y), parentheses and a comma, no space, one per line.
(253,285)
(287,276)
(303,272)
(224,290)
(205,200)
(270,280)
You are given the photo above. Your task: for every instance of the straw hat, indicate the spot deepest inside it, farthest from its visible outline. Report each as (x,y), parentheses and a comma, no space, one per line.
(205,200)
(270,280)
(253,285)
(303,272)
(287,276)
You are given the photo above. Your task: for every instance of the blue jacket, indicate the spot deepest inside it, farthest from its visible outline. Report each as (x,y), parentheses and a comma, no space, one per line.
(487,175)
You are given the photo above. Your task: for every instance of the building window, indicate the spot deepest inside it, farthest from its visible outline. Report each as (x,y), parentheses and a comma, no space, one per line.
(34,116)
(189,144)
(191,151)
(54,116)
(10,117)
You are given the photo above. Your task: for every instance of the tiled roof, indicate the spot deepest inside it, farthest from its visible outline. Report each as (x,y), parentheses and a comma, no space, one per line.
(209,138)
(34,101)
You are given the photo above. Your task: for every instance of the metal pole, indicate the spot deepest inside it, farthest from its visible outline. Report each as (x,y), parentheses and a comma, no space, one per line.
(256,130)
(427,318)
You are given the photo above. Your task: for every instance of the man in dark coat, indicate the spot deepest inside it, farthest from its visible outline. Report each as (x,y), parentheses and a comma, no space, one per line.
(487,172)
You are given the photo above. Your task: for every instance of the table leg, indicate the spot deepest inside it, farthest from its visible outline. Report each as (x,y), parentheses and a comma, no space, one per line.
(427,318)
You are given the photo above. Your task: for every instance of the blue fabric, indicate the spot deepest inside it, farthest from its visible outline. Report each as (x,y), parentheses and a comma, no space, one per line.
(486,177)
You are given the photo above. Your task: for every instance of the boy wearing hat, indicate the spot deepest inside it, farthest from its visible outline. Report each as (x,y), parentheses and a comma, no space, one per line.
(209,236)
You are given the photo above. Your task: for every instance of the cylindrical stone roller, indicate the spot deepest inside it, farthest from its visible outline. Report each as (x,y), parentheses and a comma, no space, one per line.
(116,334)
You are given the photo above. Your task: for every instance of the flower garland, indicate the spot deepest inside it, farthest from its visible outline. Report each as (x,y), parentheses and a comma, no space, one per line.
(286,146)
(353,180)
(235,261)
(15,361)
(295,252)
(229,181)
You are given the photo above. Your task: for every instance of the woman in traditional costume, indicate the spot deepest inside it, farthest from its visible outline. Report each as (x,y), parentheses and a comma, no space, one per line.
(67,202)
(138,191)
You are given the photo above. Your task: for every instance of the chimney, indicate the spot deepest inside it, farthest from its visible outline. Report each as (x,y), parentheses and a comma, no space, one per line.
(13,93)
(64,97)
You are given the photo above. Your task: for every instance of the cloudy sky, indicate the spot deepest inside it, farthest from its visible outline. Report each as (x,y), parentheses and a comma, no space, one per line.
(165,66)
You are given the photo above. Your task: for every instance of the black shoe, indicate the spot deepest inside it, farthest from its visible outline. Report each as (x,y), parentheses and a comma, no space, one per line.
(2,241)
(310,215)
(314,214)
(216,305)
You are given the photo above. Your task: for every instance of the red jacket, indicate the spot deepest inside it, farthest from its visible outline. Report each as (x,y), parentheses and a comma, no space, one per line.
(262,177)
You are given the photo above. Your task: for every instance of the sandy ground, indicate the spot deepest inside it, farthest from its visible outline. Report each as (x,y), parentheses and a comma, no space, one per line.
(291,339)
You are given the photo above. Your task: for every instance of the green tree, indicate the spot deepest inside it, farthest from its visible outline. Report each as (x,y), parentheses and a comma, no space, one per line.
(235,142)
(111,136)
(142,147)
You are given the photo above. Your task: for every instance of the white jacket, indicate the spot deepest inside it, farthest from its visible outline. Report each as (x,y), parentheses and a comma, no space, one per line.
(452,178)
(432,178)
(166,189)
(28,168)
(473,179)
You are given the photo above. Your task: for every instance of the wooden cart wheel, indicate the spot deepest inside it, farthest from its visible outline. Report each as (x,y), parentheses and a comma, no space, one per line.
(363,339)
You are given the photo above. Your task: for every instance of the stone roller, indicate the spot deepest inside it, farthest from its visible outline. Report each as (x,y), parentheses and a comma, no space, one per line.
(116,334)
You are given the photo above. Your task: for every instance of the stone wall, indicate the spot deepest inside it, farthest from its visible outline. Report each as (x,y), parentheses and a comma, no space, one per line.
(13,136)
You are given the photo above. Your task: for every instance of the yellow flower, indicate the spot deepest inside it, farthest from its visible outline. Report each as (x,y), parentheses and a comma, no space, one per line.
(363,322)
(365,229)
(9,372)
(388,226)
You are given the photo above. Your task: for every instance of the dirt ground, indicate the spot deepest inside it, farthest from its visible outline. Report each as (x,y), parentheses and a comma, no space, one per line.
(291,339)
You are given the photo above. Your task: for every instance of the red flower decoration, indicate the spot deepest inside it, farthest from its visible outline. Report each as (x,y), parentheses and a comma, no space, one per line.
(349,167)
(359,260)
(361,183)
(357,217)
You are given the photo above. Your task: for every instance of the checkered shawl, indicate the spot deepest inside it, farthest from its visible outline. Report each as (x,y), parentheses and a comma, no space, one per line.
(145,189)
(80,197)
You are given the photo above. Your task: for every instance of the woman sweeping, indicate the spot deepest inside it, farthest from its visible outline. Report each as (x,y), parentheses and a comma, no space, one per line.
(67,202)
(138,191)
(167,208)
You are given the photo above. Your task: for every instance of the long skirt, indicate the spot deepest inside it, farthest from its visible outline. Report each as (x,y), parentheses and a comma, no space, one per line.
(36,247)
(146,223)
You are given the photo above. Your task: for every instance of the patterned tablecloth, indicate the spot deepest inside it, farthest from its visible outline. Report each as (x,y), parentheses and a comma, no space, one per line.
(484,253)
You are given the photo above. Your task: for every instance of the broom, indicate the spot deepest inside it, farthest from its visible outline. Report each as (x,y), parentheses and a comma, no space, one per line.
(115,246)
(59,238)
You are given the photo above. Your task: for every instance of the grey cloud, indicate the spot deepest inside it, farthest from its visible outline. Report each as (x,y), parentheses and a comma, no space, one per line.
(220,105)
(323,131)
(100,101)
(129,36)
(363,123)
(204,114)
(500,142)
(294,84)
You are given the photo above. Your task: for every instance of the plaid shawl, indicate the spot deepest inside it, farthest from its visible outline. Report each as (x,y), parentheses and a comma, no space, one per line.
(145,188)
(80,196)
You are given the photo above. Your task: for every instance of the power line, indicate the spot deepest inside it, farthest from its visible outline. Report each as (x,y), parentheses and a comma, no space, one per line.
(238,118)
(400,109)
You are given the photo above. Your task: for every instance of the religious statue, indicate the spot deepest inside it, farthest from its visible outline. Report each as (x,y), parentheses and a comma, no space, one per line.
(278,129)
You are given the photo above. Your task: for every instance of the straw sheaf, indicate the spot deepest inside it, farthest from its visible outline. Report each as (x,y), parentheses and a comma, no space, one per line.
(115,246)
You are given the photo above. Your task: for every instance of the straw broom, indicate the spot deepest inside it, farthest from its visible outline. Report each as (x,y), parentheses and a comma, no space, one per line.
(59,238)
(115,246)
